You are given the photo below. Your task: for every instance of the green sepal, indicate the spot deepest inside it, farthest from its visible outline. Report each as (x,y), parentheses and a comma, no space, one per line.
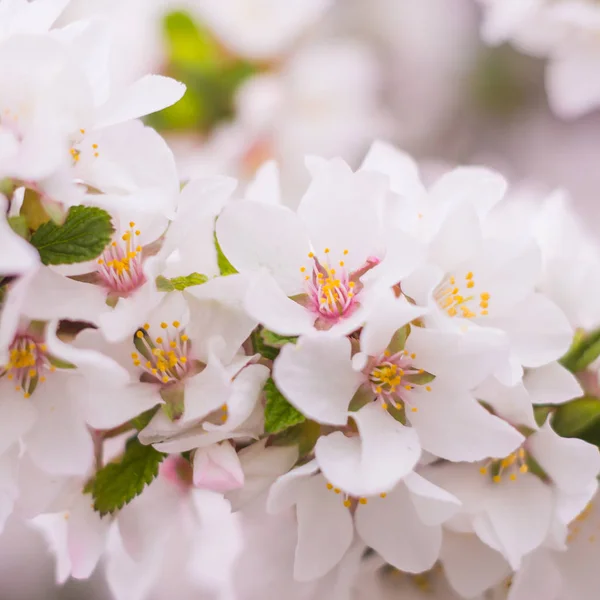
(279,413)
(573,418)
(584,350)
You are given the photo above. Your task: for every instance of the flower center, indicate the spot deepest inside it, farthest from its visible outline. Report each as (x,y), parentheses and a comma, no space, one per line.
(166,357)
(120,266)
(511,465)
(330,287)
(393,378)
(27,364)
(462,299)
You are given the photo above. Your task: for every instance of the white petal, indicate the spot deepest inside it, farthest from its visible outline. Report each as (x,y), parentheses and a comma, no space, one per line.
(16,255)
(551,384)
(254,236)
(385,453)
(519,514)
(284,493)
(538,330)
(470,566)
(510,403)
(267,303)
(397,165)
(218,468)
(245,392)
(17,415)
(316,376)
(478,187)
(86,537)
(147,95)
(433,504)
(325,530)
(451,424)
(572,464)
(388,315)
(265,185)
(53,528)
(9,487)
(392,527)
(538,577)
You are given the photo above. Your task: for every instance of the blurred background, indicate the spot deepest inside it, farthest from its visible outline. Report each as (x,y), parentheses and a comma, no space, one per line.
(279,79)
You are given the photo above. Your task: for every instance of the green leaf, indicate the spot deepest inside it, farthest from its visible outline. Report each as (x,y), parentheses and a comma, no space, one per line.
(180,283)
(83,236)
(573,418)
(304,435)
(584,350)
(279,413)
(259,346)
(225,267)
(142,420)
(398,340)
(18,224)
(275,340)
(118,483)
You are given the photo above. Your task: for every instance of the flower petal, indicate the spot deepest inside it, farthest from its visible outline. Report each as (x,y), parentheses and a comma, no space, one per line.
(284,493)
(385,453)
(551,384)
(218,468)
(316,376)
(433,504)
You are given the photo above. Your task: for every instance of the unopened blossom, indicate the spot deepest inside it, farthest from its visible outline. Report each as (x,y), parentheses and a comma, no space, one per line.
(319,267)
(403,526)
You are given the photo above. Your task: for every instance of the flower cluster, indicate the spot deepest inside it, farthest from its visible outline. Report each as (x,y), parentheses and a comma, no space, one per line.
(390,363)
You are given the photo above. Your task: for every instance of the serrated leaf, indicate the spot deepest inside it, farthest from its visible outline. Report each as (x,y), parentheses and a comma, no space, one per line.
(279,413)
(83,236)
(275,340)
(180,283)
(118,483)
(573,418)
(225,267)
(584,350)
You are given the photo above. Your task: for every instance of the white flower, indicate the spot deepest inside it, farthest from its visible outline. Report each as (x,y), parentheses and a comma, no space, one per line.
(403,526)
(217,468)
(424,378)
(20,16)
(321,265)
(259,29)
(513,510)
(16,255)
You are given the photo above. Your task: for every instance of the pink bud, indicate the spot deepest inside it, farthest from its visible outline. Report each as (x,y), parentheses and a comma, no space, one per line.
(218,468)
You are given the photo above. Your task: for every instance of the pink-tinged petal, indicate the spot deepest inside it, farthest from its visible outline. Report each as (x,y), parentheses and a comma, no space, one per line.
(325,530)
(519,515)
(267,303)
(392,527)
(16,255)
(60,442)
(147,95)
(54,528)
(316,376)
(451,424)
(86,537)
(284,493)
(373,463)
(538,331)
(572,464)
(538,577)
(433,504)
(551,384)
(9,488)
(245,392)
(218,468)
(256,236)
(265,185)
(471,566)
(387,316)
(510,403)
(17,415)
(399,166)
(261,465)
